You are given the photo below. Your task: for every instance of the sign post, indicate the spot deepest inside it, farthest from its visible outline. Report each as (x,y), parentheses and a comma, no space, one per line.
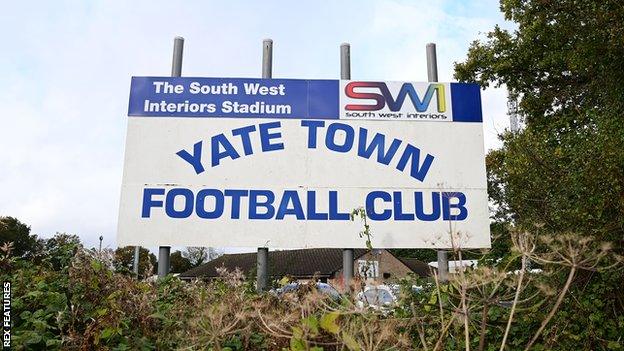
(432,75)
(347,254)
(262,275)
(164,252)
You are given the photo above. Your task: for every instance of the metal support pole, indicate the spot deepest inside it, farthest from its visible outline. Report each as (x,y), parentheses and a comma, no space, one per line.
(135,266)
(262,275)
(347,267)
(345,61)
(176,71)
(432,75)
(432,63)
(442,266)
(347,254)
(267,59)
(176,62)
(163,261)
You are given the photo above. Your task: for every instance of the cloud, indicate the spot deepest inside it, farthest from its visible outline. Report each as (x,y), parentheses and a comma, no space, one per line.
(398,37)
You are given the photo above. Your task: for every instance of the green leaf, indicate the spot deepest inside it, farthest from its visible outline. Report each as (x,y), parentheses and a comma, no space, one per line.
(297,344)
(350,342)
(107,333)
(312,324)
(96,265)
(53,343)
(328,322)
(283,281)
(101,312)
(297,332)
(34,338)
(433,299)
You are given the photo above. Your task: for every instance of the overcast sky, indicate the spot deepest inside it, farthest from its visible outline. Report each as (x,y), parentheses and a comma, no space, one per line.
(65,71)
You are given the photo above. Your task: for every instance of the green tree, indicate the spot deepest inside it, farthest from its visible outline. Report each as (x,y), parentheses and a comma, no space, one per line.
(24,243)
(179,263)
(200,255)
(425,255)
(564,170)
(124,260)
(59,250)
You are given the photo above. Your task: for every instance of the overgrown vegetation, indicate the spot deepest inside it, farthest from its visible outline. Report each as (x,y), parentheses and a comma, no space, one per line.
(73,298)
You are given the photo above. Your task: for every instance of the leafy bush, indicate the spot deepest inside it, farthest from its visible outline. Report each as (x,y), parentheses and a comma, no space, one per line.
(74,299)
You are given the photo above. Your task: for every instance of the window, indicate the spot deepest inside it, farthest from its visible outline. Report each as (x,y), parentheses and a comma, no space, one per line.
(368,269)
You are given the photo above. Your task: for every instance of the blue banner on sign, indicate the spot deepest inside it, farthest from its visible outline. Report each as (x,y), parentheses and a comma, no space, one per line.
(233,97)
(301,99)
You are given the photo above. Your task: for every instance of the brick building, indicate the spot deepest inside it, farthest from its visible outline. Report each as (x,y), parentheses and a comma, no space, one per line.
(378,266)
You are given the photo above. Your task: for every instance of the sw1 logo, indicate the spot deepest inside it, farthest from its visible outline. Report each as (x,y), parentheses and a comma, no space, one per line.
(352,90)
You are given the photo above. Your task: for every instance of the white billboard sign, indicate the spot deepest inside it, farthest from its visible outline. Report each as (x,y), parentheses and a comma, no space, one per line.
(282,163)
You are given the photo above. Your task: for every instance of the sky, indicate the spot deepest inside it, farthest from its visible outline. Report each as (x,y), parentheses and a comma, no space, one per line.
(65,71)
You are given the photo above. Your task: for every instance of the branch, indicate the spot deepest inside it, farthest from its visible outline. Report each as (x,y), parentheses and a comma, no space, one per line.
(515,302)
(554,309)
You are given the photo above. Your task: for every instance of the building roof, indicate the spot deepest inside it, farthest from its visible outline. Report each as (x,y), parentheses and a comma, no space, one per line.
(303,263)
(419,267)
